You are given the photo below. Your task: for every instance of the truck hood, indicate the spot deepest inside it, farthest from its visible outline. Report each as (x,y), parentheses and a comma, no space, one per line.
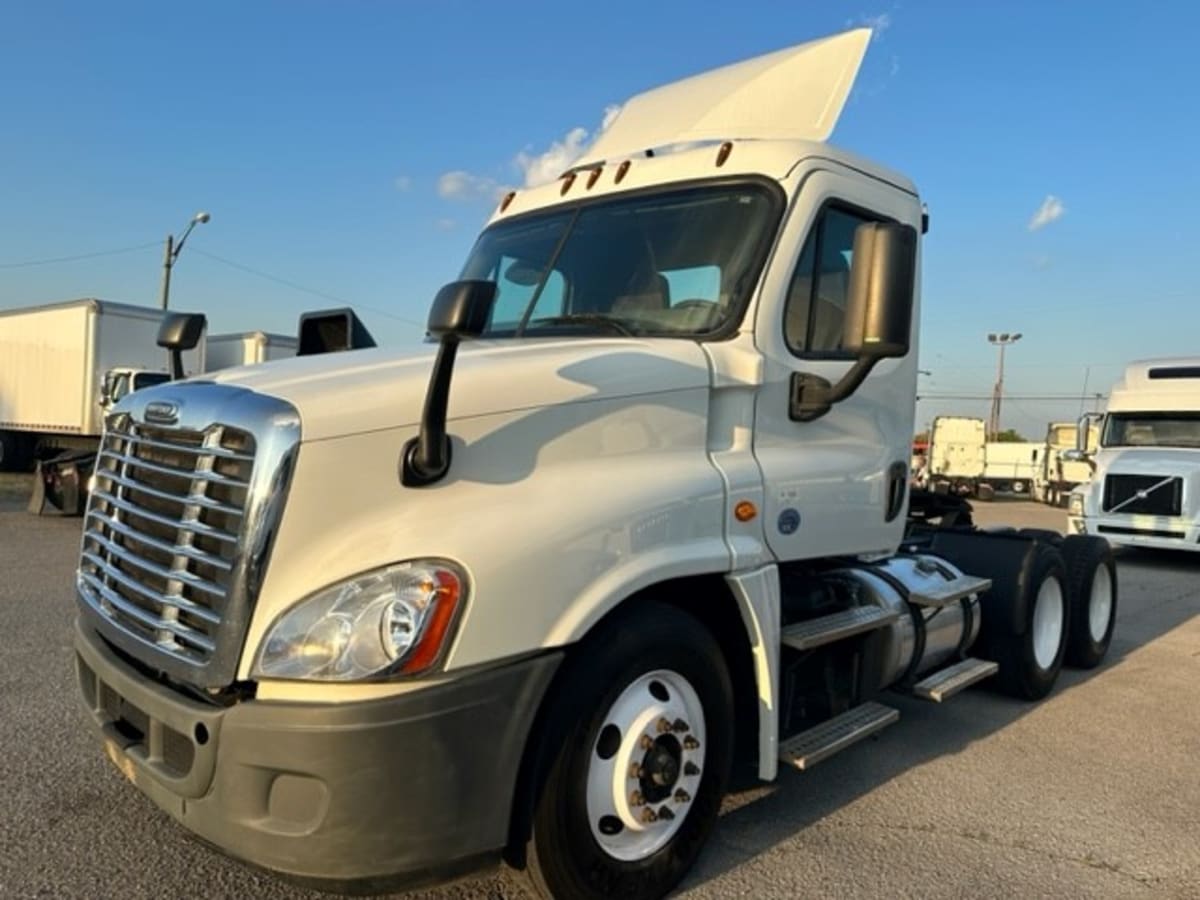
(1149,461)
(356,391)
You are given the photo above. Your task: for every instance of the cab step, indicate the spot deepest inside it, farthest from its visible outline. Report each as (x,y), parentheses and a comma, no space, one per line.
(950,591)
(835,626)
(947,682)
(808,748)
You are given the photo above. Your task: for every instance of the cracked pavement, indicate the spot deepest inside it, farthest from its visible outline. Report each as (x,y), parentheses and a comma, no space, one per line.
(1093,793)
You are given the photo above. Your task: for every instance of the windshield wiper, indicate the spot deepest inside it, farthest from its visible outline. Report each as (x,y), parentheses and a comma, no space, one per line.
(587,319)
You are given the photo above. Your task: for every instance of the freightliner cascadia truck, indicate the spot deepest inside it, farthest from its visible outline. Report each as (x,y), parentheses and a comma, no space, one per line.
(637,519)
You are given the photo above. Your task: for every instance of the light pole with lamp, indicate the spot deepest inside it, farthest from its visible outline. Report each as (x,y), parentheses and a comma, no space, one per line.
(172,253)
(1001,341)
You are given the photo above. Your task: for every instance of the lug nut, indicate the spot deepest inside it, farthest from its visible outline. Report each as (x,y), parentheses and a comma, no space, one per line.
(636,799)
(665,814)
(646,742)
(690,743)
(663,725)
(649,816)
(635,770)
(682,796)
(680,725)
(690,768)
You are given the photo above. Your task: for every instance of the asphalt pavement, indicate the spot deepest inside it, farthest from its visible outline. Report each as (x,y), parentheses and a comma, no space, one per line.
(1092,793)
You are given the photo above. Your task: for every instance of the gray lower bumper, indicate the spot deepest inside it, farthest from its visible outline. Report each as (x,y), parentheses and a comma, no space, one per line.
(350,796)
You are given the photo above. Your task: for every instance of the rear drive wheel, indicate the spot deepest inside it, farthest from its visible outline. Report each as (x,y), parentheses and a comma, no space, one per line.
(1092,584)
(1031,660)
(637,754)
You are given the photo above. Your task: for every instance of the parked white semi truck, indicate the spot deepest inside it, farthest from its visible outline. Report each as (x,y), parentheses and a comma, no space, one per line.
(639,518)
(1057,475)
(963,461)
(63,365)
(1145,484)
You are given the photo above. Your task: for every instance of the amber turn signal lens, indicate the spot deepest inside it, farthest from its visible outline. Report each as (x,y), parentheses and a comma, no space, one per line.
(745,511)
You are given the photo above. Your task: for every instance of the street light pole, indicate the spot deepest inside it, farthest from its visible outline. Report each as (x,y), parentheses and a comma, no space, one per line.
(1002,341)
(171,253)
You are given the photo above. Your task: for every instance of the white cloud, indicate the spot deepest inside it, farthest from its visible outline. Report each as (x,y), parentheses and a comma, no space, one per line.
(878,23)
(461,185)
(1051,210)
(403,183)
(534,168)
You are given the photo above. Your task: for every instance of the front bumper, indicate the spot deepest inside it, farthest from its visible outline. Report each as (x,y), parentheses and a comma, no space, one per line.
(354,796)
(1157,532)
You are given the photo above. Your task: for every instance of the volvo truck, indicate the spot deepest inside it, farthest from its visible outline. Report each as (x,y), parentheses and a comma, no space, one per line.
(1144,489)
(636,520)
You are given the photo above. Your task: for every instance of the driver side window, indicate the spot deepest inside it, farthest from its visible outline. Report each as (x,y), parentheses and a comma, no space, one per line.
(815,310)
(516,280)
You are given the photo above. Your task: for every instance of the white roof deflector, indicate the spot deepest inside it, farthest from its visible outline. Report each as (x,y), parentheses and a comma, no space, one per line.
(792,94)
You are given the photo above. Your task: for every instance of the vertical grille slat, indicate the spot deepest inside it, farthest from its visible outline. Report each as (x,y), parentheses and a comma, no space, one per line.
(162,535)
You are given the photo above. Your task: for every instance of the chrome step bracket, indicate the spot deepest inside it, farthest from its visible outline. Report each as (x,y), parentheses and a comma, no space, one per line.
(947,682)
(835,626)
(950,591)
(808,748)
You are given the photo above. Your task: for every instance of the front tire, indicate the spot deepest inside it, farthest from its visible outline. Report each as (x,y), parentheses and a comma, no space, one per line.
(638,745)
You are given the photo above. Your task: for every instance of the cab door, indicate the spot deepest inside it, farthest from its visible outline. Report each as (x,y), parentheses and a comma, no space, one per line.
(836,485)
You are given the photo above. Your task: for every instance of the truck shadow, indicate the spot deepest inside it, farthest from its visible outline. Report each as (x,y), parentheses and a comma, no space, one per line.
(756,817)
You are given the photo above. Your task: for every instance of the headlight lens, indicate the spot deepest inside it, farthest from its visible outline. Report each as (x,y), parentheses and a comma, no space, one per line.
(392,620)
(1075,504)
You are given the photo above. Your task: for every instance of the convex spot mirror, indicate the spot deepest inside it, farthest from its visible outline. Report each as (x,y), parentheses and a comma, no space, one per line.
(879,301)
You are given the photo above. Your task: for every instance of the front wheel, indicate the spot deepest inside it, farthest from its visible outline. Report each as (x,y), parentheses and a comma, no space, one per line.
(638,748)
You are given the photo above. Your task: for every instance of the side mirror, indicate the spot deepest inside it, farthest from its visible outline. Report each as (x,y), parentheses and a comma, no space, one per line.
(879,296)
(460,310)
(1083,430)
(879,311)
(330,331)
(179,332)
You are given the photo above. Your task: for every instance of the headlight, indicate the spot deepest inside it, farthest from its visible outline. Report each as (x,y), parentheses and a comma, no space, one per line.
(389,621)
(1075,504)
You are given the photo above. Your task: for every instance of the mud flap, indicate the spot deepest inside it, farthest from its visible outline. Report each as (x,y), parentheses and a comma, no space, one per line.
(60,484)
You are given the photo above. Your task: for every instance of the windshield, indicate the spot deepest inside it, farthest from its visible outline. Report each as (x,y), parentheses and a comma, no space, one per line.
(679,263)
(1165,429)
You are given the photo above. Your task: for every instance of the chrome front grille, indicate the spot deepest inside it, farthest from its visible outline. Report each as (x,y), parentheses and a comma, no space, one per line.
(162,531)
(180,524)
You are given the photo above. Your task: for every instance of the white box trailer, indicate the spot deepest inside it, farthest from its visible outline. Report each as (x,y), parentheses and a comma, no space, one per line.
(1009,466)
(248,348)
(956,454)
(57,360)
(1144,489)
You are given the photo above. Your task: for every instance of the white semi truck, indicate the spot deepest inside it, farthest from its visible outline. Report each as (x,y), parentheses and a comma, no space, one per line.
(638,519)
(63,365)
(1058,473)
(963,461)
(1145,485)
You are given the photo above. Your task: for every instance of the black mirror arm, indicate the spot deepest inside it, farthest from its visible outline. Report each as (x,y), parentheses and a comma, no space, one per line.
(426,458)
(176,364)
(813,396)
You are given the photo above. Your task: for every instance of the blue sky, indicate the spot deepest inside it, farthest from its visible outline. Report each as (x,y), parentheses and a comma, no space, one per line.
(320,136)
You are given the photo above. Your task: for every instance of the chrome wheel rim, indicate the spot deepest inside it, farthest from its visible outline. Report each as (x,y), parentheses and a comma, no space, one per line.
(644,766)
(1047,623)
(1100,603)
